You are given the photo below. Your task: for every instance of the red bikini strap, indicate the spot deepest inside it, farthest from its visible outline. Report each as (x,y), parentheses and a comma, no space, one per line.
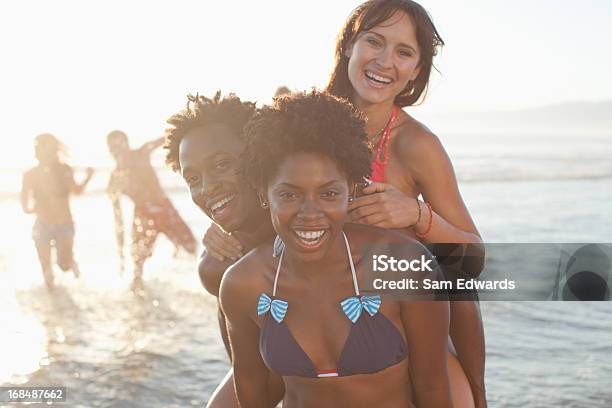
(386,136)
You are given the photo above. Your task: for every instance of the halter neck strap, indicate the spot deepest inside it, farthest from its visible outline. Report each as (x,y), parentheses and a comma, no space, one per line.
(280,262)
(385,138)
(350,258)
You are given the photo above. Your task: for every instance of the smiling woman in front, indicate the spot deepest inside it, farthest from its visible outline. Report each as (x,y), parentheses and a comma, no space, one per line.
(304,316)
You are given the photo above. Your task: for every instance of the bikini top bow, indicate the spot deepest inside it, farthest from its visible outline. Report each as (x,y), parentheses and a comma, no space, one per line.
(353,306)
(277,307)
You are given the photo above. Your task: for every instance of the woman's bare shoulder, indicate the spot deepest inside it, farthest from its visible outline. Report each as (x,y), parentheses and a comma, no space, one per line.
(414,139)
(421,152)
(245,281)
(251,273)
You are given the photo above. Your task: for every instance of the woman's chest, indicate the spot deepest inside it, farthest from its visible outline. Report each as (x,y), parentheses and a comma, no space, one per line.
(398,174)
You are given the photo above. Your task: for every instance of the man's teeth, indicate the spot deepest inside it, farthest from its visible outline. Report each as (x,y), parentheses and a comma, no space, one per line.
(221,203)
(310,235)
(378,78)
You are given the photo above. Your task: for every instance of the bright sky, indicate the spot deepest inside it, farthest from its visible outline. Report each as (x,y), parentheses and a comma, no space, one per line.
(80,69)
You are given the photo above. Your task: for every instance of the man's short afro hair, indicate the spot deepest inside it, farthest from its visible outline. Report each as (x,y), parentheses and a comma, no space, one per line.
(306,122)
(202,111)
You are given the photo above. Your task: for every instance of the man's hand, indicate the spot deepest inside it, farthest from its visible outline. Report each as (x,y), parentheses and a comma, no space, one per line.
(222,245)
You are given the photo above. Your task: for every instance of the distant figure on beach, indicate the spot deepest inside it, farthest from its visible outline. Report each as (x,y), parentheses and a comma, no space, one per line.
(281,90)
(153,212)
(46,193)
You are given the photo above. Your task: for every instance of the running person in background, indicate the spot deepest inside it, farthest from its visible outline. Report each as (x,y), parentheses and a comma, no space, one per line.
(46,193)
(153,212)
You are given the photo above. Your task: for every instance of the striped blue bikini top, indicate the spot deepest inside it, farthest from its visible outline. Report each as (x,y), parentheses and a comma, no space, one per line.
(373,343)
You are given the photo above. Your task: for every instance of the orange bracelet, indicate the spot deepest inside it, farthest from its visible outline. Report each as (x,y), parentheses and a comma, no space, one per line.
(429,225)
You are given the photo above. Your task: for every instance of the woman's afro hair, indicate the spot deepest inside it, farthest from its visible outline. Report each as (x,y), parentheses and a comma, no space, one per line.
(314,122)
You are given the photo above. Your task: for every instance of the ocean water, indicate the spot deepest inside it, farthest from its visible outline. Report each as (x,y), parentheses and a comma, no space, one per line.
(159,346)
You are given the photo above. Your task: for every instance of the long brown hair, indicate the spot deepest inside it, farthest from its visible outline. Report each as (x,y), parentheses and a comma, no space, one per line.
(48,143)
(369,15)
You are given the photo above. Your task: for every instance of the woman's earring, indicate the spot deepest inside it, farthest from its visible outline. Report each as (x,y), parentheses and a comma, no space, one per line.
(262,202)
(347,52)
(350,199)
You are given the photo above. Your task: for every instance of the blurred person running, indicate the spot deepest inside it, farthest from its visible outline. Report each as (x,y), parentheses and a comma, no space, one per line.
(135,178)
(46,193)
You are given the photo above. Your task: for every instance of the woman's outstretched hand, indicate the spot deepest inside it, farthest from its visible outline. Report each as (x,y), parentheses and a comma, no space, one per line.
(384,206)
(221,245)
